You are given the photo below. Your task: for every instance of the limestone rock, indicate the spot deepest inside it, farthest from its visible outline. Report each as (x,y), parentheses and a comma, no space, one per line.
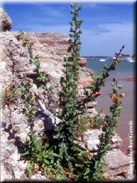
(91,104)
(38,176)
(82,62)
(118,166)
(5,21)
(84,83)
(87,70)
(91,139)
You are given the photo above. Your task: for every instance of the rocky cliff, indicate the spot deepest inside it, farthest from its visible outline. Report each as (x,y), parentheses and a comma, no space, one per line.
(14,61)
(5,21)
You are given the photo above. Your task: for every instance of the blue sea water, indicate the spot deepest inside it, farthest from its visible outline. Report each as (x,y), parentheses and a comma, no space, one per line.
(124,70)
(122,67)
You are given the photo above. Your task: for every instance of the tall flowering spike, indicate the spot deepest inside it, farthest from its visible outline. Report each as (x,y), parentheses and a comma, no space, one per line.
(68,96)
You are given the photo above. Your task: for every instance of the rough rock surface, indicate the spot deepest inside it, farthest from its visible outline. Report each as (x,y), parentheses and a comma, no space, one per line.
(14,61)
(5,21)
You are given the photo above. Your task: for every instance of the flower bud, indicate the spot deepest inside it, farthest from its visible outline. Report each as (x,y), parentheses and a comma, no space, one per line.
(116,63)
(114,90)
(111,96)
(27,39)
(116,53)
(122,95)
(72,5)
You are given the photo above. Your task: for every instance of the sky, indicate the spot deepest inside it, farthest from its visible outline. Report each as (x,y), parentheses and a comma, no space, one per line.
(106,25)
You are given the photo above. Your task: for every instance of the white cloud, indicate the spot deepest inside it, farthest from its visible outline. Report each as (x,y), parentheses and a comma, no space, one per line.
(106,43)
(93,5)
(49,10)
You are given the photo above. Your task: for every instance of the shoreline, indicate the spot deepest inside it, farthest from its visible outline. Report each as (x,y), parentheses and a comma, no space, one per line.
(127,112)
(125,74)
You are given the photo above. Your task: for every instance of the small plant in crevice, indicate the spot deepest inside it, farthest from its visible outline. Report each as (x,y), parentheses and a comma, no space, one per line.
(61,157)
(10,95)
(35,147)
(42,77)
(35,150)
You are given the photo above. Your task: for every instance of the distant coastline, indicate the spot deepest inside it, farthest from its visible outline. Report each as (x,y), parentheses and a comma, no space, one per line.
(109,57)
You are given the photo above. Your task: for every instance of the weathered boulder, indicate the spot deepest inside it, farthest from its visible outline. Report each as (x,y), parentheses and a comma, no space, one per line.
(91,139)
(5,21)
(84,83)
(82,62)
(119,166)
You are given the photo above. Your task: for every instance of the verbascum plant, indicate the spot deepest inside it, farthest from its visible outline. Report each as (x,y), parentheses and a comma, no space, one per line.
(37,152)
(35,148)
(42,76)
(62,158)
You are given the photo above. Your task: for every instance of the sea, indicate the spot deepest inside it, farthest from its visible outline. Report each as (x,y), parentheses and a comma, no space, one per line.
(124,71)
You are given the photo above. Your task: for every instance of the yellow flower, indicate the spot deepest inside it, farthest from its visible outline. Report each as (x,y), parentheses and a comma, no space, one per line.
(111,96)
(26,39)
(122,95)
(116,100)
(49,79)
(24,45)
(32,43)
(25,69)
(116,63)
(20,111)
(33,95)
(29,84)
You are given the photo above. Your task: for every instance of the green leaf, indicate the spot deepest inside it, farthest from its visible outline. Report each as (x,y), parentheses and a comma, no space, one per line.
(106,67)
(46,161)
(116,53)
(72,11)
(72,5)
(114,79)
(103,83)
(71,23)
(79,43)
(120,86)
(112,84)
(29,168)
(72,30)
(26,153)
(37,56)
(119,107)
(34,108)
(80,31)
(53,154)
(80,7)
(51,87)
(87,171)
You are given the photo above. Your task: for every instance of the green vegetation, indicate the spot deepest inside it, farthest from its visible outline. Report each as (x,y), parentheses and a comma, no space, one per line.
(60,157)
(10,95)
